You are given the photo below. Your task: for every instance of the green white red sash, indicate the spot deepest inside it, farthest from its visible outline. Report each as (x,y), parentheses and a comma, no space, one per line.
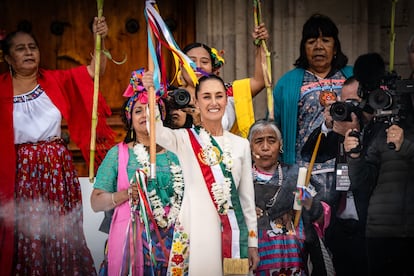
(234,229)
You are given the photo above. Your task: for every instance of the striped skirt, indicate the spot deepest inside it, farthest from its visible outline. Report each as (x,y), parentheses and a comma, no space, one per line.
(281,254)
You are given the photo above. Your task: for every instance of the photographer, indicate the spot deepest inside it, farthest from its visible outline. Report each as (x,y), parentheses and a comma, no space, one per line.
(384,167)
(179,112)
(345,236)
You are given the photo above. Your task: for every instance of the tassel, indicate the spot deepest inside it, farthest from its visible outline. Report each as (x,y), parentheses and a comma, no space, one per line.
(235,266)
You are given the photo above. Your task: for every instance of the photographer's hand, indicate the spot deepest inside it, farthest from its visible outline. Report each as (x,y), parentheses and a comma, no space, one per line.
(195,113)
(395,135)
(341,127)
(327,114)
(350,143)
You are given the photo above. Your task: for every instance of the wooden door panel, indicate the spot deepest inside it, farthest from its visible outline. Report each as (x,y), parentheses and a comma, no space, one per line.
(74,46)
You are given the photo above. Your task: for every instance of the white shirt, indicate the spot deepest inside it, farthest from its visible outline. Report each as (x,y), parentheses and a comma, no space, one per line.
(35,117)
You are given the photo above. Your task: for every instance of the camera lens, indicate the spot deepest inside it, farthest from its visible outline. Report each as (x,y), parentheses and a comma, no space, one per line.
(340,111)
(178,98)
(181,97)
(380,99)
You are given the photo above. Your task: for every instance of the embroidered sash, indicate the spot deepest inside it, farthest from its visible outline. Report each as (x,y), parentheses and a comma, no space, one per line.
(234,229)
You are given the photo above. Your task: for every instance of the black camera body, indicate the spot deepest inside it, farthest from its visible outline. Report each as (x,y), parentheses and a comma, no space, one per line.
(341,111)
(178,98)
(383,93)
(390,100)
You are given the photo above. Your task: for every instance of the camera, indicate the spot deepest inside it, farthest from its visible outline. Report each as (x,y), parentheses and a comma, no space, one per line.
(178,98)
(390,100)
(341,111)
(384,93)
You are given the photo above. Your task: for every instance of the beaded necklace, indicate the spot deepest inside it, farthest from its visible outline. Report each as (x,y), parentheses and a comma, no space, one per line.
(272,200)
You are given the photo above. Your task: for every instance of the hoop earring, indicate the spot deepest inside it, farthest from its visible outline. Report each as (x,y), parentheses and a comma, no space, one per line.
(281,149)
(11,70)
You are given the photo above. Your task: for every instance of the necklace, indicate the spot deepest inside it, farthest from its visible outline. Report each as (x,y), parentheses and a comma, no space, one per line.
(280,174)
(272,200)
(211,156)
(177,179)
(325,95)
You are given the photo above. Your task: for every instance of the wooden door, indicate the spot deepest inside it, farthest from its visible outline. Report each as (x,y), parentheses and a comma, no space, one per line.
(62,28)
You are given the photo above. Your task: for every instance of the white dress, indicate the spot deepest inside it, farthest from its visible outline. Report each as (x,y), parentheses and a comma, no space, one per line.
(198,215)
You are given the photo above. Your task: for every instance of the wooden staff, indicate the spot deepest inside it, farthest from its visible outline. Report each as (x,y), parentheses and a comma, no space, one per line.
(95,97)
(267,67)
(392,35)
(309,173)
(151,103)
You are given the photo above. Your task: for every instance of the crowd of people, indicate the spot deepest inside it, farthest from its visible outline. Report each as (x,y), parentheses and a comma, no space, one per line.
(323,189)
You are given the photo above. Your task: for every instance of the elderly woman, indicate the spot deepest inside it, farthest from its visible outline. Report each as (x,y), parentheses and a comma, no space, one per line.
(282,247)
(38,176)
(216,231)
(320,68)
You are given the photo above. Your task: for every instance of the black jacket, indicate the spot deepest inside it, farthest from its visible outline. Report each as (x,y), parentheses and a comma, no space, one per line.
(389,176)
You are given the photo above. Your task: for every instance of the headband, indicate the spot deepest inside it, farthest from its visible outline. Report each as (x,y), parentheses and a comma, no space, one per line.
(135,91)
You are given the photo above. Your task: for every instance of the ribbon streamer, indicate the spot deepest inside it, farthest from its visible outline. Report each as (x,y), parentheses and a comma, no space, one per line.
(163,37)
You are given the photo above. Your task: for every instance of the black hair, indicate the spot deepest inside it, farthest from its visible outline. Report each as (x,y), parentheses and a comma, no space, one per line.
(316,25)
(168,122)
(7,41)
(205,78)
(193,45)
(215,62)
(130,136)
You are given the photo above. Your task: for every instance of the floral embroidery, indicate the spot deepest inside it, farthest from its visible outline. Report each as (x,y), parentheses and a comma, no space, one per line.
(221,191)
(180,249)
(177,271)
(163,220)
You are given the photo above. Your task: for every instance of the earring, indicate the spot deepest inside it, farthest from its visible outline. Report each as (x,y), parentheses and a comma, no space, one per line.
(11,70)
(281,149)
(132,133)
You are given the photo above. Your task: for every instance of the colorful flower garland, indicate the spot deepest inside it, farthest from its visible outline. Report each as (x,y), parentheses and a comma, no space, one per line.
(158,211)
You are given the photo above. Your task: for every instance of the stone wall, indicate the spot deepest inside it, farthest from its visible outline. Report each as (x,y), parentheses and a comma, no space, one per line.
(364,26)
